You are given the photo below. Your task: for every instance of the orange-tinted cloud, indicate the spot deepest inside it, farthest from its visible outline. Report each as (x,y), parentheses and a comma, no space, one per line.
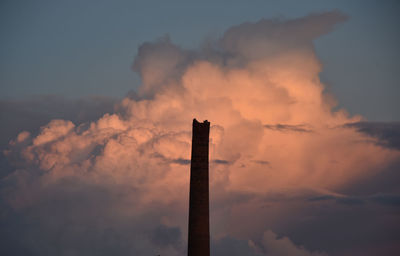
(274,130)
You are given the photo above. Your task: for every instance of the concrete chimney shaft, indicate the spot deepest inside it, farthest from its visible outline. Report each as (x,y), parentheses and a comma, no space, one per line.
(199,223)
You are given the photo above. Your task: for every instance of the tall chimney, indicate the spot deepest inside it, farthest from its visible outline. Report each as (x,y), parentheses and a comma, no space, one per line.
(199,223)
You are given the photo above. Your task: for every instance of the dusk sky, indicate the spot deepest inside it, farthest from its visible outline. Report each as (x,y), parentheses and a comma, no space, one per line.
(97,100)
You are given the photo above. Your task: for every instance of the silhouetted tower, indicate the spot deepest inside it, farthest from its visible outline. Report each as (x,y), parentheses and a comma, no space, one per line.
(199,223)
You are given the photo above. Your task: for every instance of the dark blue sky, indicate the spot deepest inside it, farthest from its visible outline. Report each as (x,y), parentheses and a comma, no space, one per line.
(82,48)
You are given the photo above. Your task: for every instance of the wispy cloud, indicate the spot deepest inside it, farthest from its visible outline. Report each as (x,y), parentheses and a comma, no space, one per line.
(288,128)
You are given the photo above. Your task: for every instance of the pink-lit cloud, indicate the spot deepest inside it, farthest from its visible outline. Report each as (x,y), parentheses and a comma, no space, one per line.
(275,130)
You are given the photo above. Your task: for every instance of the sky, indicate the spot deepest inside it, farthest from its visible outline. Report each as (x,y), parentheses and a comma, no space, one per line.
(82,48)
(98,99)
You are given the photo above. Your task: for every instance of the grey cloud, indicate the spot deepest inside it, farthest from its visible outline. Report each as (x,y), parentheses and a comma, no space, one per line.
(380,198)
(181,161)
(329,223)
(164,236)
(262,162)
(221,161)
(385,181)
(321,198)
(347,224)
(350,201)
(288,128)
(281,246)
(74,217)
(231,246)
(388,133)
(271,244)
(347,200)
(275,36)
(166,58)
(386,199)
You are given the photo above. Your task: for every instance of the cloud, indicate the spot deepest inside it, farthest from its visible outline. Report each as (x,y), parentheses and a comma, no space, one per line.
(342,200)
(288,128)
(118,183)
(159,64)
(164,236)
(271,245)
(380,198)
(387,133)
(281,246)
(25,116)
(271,37)
(234,247)
(38,110)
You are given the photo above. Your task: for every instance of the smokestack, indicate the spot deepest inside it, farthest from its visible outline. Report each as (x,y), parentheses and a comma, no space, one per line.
(199,223)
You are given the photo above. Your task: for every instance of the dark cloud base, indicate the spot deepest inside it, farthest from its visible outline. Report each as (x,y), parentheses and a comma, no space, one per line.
(388,133)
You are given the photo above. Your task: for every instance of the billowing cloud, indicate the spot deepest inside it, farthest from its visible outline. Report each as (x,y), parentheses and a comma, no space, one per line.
(120,183)
(272,245)
(280,246)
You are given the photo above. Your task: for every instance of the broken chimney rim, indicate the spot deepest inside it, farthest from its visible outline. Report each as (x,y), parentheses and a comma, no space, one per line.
(205,122)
